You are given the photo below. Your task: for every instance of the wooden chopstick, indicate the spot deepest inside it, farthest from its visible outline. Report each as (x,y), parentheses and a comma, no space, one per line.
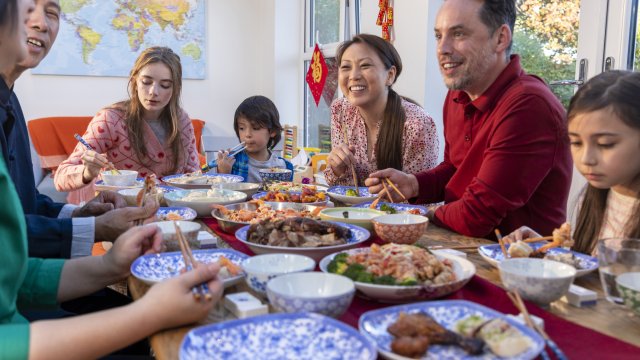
(394,188)
(455,247)
(353,168)
(388,193)
(375,202)
(190,263)
(499,236)
(536,239)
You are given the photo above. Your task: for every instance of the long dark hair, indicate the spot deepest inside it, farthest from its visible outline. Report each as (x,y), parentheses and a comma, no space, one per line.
(389,146)
(618,91)
(261,111)
(8,14)
(170,116)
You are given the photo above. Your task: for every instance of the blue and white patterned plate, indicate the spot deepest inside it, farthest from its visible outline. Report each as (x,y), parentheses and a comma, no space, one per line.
(184,212)
(373,325)
(206,180)
(153,268)
(338,193)
(357,235)
(493,255)
(277,336)
(261,194)
(398,207)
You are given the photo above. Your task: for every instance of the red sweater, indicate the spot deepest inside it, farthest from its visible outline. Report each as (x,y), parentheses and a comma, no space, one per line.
(507,161)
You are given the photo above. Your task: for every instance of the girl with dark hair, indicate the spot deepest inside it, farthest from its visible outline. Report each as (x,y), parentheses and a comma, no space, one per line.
(257,125)
(149,132)
(604,129)
(384,129)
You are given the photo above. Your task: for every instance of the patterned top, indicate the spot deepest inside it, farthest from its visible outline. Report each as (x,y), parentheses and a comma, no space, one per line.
(249,168)
(617,215)
(108,135)
(419,148)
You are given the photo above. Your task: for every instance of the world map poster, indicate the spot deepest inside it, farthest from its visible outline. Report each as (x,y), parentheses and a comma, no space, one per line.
(103,38)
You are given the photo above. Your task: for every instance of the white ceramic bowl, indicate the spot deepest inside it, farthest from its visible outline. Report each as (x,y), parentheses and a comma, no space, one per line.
(262,268)
(326,294)
(462,268)
(203,205)
(247,188)
(124,178)
(189,229)
(400,228)
(356,216)
(537,280)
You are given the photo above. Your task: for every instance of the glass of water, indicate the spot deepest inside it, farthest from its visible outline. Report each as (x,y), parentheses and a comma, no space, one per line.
(617,256)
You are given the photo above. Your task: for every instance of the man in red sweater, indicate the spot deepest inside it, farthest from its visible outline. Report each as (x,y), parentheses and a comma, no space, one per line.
(507,161)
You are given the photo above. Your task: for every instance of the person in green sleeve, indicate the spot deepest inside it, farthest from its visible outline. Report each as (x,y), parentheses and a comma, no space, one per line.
(27,283)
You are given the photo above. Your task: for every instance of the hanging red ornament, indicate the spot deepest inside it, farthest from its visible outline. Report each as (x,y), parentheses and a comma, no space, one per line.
(317,74)
(385,19)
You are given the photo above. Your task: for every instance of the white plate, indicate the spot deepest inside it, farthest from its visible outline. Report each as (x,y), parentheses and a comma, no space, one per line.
(154,268)
(493,255)
(207,180)
(338,193)
(373,325)
(358,236)
(277,336)
(399,207)
(463,269)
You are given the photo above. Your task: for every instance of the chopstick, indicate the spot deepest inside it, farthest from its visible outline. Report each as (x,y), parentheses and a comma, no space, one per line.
(353,168)
(519,304)
(394,188)
(499,236)
(190,263)
(232,152)
(536,239)
(384,185)
(375,202)
(89,147)
(455,247)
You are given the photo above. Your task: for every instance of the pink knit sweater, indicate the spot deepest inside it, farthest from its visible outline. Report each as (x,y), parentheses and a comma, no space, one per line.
(108,135)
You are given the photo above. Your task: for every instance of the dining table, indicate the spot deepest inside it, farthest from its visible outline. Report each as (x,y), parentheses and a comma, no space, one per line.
(603,330)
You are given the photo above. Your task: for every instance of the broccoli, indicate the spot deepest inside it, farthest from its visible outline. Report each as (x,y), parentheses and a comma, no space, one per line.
(384,280)
(353,271)
(410,281)
(339,264)
(351,192)
(365,277)
(388,209)
(342,257)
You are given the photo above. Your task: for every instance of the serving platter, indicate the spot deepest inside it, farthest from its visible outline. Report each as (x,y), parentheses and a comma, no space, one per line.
(357,236)
(277,336)
(373,325)
(493,255)
(154,268)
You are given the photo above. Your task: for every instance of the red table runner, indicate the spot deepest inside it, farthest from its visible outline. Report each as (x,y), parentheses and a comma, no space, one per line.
(577,342)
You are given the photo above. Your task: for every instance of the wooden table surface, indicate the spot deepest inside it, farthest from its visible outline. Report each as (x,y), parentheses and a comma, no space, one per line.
(604,317)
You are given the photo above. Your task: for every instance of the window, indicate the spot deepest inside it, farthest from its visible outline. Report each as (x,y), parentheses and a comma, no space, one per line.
(329,22)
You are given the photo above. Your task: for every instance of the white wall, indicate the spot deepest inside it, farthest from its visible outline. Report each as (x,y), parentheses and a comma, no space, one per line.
(233,67)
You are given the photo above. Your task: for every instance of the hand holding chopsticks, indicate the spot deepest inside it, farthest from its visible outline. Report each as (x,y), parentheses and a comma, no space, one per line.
(191,263)
(519,304)
(89,147)
(386,191)
(232,153)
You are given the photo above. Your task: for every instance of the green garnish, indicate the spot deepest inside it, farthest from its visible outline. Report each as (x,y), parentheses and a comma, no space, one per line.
(388,209)
(351,192)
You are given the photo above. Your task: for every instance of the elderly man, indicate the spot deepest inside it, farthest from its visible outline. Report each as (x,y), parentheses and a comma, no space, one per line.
(507,161)
(55,230)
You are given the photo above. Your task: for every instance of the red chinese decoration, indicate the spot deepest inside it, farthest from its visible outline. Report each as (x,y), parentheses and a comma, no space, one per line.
(317,74)
(385,19)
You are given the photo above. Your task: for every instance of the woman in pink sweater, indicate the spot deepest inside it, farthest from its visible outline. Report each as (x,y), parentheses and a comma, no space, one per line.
(149,132)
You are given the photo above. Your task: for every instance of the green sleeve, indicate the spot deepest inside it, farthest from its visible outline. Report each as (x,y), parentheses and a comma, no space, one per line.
(14,341)
(40,286)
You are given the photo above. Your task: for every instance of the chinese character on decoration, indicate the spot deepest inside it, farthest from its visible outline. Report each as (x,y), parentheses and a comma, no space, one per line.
(385,19)
(317,74)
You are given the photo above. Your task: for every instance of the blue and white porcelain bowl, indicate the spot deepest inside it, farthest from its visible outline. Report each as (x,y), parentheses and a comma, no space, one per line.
(398,207)
(273,175)
(339,193)
(262,268)
(277,336)
(321,293)
(537,280)
(172,213)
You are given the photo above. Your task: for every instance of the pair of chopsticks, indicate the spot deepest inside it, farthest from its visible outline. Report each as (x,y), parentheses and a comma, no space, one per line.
(232,152)
(190,263)
(89,147)
(384,191)
(519,304)
(353,168)
(501,242)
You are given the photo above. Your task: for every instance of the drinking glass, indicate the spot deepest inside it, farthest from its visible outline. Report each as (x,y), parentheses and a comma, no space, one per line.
(617,256)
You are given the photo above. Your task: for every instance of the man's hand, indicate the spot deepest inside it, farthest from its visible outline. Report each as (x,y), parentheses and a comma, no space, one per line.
(519,234)
(135,242)
(406,183)
(113,223)
(104,202)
